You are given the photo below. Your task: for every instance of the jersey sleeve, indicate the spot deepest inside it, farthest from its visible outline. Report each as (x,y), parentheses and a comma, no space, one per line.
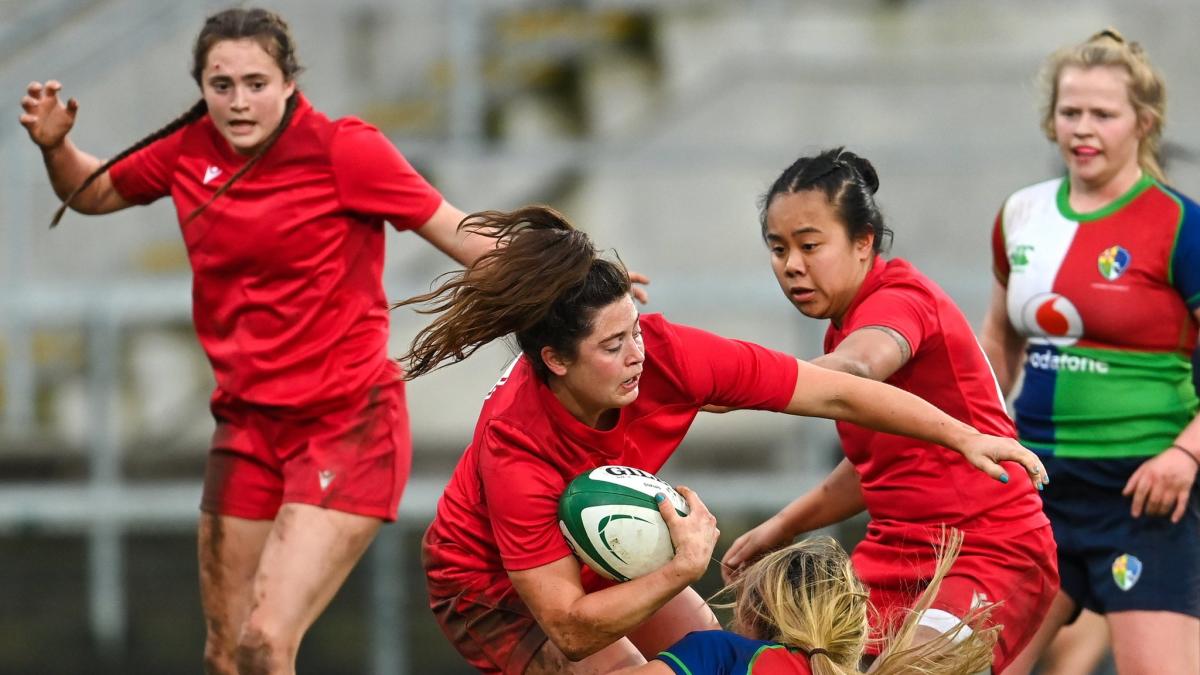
(1000,265)
(522,499)
(733,373)
(907,309)
(148,173)
(1185,258)
(373,178)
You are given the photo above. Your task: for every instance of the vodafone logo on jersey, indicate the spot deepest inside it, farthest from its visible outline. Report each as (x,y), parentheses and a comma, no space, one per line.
(1052,318)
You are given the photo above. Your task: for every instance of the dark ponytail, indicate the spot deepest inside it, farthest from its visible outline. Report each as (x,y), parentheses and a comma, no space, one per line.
(543,282)
(848,181)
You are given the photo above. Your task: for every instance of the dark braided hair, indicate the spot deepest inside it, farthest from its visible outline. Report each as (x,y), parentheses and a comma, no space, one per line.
(848,181)
(194,113)
(272,34)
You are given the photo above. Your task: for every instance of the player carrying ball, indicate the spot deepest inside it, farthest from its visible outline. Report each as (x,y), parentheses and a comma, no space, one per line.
(598,384)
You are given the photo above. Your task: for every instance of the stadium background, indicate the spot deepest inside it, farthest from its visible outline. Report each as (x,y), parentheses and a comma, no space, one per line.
(653,125)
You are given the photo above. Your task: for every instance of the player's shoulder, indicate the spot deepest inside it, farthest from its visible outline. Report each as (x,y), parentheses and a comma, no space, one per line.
(669,345)
(656,327)
(347,134)
(1042,192)
(1191,210)
(721,651)
(514,403)
(902,277)
(697,645)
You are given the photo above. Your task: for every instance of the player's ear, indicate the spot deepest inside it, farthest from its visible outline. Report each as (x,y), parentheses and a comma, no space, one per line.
(554,361)
(864,246)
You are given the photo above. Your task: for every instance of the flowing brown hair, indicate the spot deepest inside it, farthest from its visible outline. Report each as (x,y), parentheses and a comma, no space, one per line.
(272,34)
(544,282)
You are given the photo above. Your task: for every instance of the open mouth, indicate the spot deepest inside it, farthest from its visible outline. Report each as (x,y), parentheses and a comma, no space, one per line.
(802,294)
(241,126)
(631,383)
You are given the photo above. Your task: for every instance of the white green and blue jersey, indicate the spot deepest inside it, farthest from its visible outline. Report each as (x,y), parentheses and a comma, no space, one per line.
(1105,300)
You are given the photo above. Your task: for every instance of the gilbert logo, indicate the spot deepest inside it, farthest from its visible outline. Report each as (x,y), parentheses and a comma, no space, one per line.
(211,173)
(325,478)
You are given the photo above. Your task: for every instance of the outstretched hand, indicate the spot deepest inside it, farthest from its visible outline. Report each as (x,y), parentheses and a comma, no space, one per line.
(46,118)
(985,453)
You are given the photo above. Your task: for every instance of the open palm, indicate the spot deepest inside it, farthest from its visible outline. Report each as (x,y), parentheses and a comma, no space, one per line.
(46,118)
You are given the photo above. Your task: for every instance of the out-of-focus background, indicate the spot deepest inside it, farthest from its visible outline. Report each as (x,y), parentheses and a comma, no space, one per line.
(655,125)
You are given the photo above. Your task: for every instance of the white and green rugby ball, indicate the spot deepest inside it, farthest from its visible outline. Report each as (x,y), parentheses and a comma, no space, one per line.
(612,523)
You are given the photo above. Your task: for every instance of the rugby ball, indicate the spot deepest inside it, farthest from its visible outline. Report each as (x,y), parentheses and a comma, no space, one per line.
(612,524)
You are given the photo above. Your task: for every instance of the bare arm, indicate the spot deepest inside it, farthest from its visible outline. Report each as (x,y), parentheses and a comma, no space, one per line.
(1001,343)
(580,623)
(655,667)
(873,352)
(442,231)
(48,122)
(825,393)
(837,498)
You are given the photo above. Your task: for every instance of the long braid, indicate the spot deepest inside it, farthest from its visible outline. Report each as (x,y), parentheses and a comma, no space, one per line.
(193,114)
(272,33)
(288,112)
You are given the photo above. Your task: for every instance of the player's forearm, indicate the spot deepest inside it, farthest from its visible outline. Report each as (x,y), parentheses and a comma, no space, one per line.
(599,619)
(68,166)
(837,498)
(834,395)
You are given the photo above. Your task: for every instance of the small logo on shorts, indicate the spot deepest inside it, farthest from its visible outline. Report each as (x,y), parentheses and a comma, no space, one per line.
(979,599)
(1126,570)
(326,477)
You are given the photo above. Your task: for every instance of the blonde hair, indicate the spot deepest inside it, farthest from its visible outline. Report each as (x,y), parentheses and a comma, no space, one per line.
(1147,90)
(807,596)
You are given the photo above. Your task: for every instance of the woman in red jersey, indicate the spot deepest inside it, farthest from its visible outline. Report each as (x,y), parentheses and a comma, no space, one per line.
(598,384)
(889,322)
(282,212)
(1095,303)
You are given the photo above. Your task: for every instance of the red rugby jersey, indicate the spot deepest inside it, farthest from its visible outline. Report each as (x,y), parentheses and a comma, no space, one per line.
(499,511)
(287,265)
(906,481)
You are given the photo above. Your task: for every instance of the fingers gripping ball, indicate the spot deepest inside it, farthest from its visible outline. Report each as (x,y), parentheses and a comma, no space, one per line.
(612,523)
